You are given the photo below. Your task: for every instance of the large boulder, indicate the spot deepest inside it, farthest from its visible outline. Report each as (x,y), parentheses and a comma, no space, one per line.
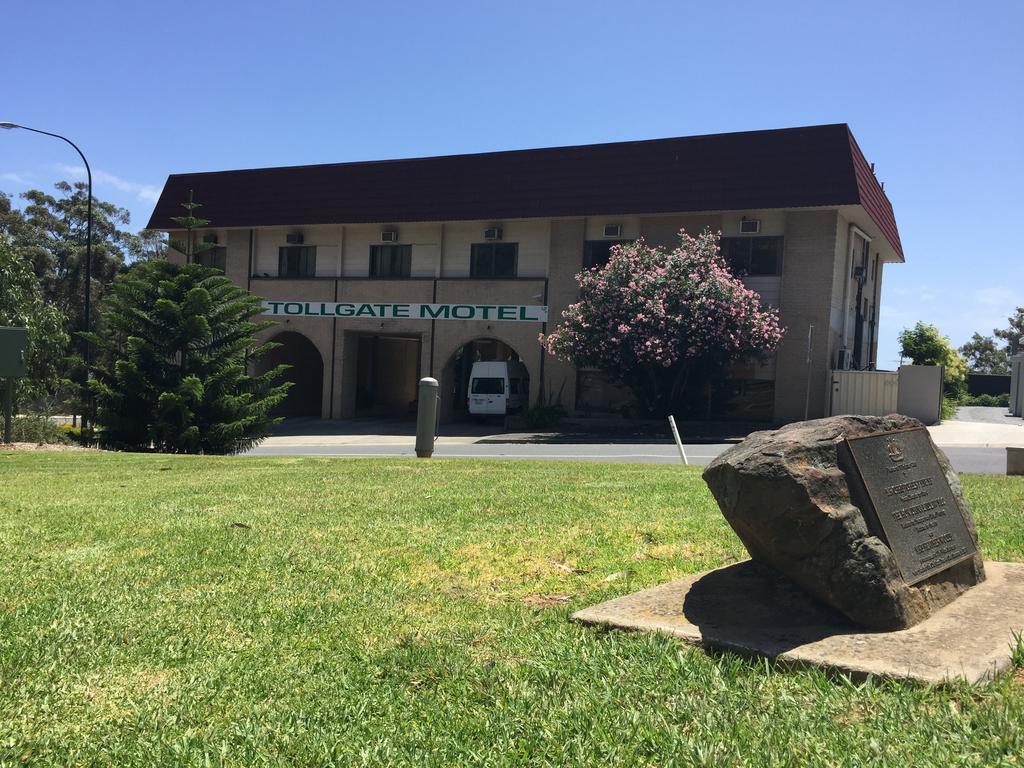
(787,494)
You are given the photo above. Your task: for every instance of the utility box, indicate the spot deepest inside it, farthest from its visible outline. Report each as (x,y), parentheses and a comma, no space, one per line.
(1017,385)
(1014,461)
(13,348)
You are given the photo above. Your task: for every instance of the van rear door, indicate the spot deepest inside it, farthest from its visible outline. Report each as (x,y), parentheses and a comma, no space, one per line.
(487,395)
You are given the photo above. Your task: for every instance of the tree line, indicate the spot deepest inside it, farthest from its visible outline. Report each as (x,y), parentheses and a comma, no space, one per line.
(924,344)
(42,266)
(991,354)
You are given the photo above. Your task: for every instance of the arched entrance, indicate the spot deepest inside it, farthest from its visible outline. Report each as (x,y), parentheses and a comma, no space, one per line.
(455,376)
(306,373)
(387,370)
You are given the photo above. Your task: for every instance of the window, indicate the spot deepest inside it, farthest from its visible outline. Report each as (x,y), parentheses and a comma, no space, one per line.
(390,260)
(753,255)
(493,259)
(596,252)
(296,261)
(213,257)
(862,248)
(489,386)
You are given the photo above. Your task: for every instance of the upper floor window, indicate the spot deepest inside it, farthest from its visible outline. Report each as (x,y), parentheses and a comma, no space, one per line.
(493,259)
(390,260)
(597,252)
(213,257)
(211,254)
(753,255)
(296,261)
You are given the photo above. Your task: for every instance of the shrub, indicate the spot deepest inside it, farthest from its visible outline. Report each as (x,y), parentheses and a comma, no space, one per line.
(72,432)
(36,428)
(659,320)
(988,401)
(543,416)
(949,406)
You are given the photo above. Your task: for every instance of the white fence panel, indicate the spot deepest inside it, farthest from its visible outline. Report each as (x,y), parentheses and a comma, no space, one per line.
(867,393)
(920,394)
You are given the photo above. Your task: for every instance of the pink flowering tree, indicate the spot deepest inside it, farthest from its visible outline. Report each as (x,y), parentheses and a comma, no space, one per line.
(658,319)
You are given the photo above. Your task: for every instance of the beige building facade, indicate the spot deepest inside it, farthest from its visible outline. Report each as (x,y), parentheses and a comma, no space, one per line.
(820,265)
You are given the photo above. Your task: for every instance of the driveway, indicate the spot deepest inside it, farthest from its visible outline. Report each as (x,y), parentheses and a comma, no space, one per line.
(981,415)
(980,428)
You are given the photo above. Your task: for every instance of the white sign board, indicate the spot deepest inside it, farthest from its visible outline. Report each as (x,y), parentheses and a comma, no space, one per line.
(386,310)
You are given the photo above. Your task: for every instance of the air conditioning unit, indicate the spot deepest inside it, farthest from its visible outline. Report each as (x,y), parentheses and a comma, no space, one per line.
(750,226)
(389,235)
(613,230)
(844,359)
(492,233)
(295,238)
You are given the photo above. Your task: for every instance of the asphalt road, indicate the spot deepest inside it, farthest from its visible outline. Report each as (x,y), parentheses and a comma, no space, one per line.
(964,459)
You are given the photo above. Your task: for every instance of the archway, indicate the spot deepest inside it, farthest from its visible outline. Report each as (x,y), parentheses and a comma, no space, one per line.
(306,374)
(456,373)
(387,370)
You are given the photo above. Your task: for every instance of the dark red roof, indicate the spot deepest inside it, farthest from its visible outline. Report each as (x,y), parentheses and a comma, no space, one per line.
(873,198)
(787,168)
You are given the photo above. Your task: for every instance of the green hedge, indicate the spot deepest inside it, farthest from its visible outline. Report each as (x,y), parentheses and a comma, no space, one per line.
(989,401)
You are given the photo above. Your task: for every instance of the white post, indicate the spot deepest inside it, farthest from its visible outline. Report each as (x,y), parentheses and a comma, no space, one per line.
(675,434)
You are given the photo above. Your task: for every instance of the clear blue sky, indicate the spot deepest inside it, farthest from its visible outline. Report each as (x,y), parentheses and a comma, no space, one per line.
(932,90)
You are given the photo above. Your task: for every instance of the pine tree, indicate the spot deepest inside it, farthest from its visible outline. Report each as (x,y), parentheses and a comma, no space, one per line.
(173,351)
(190,223)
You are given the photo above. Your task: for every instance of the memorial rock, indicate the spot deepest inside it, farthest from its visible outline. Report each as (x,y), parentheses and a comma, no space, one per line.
(862,512)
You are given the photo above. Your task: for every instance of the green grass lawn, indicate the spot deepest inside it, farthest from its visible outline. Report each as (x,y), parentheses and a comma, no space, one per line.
(161,610)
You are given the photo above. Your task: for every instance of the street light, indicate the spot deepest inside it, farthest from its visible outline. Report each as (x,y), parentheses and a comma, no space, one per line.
(88,254)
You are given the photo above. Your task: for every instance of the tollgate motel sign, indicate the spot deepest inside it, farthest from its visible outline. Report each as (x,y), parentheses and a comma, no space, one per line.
(390,311)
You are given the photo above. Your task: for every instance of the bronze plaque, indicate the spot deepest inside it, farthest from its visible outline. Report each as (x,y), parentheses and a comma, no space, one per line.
(912,502)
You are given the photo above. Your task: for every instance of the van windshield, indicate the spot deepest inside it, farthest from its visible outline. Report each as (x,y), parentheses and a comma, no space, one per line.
(489,386)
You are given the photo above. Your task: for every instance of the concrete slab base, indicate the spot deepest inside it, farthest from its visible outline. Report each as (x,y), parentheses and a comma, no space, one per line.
(749,609)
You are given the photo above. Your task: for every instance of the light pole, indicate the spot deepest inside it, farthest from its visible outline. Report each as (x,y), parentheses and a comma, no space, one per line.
(88,259)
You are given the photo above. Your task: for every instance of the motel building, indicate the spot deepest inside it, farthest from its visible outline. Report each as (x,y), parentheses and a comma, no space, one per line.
(376,274)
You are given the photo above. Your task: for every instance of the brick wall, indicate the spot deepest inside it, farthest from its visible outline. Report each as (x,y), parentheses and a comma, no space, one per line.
(807,279)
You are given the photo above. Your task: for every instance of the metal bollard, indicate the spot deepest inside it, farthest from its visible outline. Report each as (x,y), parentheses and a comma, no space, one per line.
(426,417)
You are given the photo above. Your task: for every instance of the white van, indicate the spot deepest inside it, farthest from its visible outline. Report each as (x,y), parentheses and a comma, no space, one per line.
(498,388)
